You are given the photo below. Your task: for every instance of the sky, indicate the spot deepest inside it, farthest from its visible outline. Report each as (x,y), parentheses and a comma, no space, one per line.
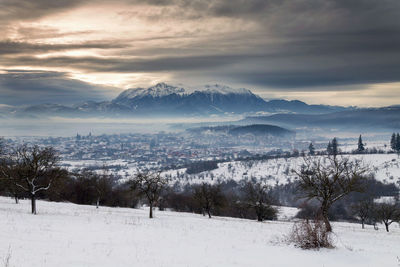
(336,52)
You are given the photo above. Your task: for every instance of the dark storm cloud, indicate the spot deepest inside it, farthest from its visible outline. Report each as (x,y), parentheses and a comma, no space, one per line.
(300,63)
(11,47)
(11,10)
(102,64)
(323,42)
(319,43)
(285,80)
(37,87)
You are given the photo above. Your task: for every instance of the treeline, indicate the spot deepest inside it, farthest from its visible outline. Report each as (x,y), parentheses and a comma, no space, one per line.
(333,149)
(395,142)
(333,190)
(247,199)
(201,166)
(34,173)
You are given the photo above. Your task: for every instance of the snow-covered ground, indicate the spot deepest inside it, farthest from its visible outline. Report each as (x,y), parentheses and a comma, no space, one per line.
(386,168)
(64,234)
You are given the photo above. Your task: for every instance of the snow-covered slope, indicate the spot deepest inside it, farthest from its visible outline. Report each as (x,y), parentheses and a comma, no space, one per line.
(163,89)
(159,90)
(70,235)
(225,90)
(386,168)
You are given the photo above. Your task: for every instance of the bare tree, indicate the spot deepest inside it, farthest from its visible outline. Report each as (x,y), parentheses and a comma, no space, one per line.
(330,181)
(363,210)
(208,197)
(35,170)
(97,186)
(256,197)
(387,213)
(103,186)
(6,172)
(9,177)
(149,185)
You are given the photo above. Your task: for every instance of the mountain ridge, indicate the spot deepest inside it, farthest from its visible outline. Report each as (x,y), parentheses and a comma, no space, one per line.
(166,100)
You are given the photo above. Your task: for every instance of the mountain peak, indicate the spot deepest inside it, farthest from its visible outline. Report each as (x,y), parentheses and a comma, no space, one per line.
(158,90)
(163,89)
(223,89)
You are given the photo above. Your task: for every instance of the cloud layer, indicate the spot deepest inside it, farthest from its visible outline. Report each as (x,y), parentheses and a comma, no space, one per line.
(38,87)
(286,46)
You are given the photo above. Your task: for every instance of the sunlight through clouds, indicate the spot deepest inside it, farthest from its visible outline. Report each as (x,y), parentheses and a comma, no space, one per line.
(281,49)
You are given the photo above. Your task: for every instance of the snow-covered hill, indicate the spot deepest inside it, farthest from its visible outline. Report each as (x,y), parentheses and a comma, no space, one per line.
(71,235)
(386,168)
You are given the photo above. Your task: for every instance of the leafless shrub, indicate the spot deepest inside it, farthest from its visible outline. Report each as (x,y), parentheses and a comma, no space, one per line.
(309,234)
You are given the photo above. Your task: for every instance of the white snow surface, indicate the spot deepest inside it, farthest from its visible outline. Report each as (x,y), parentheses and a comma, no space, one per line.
(224,90)
(159,90)
(163,89)
(64,234)
(385,167)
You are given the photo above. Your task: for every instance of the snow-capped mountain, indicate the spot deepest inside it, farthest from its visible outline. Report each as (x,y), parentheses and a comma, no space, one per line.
(163,89)
(169,100)
(159,90)
(211,99)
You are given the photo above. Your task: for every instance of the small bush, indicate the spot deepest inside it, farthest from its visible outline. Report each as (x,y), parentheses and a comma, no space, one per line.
(309,234)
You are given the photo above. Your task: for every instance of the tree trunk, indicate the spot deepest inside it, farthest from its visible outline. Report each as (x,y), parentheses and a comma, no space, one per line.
(151,210)
(97,203)
(327,224)
(15,195)
(33,203)
(362,223)
(387,227)
(325,218)
(259,213)
(209,213)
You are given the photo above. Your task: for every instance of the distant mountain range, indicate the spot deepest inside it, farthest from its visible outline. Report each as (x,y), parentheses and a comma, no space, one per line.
(163,100)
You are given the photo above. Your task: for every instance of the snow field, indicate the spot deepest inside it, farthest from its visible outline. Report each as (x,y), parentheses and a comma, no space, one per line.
(64,234)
